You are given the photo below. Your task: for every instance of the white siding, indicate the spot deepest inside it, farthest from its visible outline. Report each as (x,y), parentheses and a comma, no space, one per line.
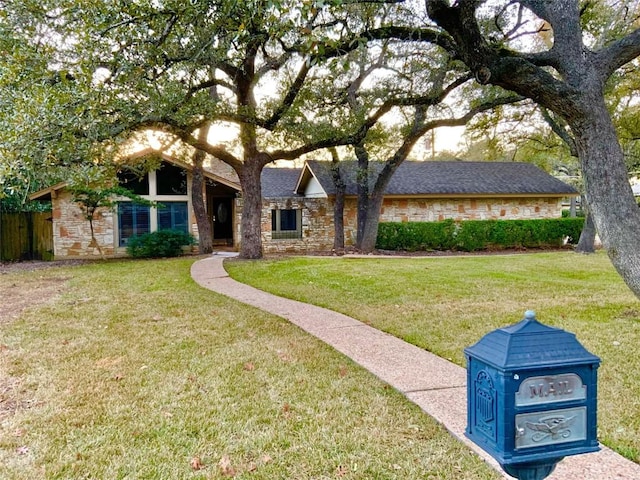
(314,190)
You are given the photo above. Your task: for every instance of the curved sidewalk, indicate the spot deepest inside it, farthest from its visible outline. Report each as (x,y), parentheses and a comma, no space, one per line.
(434,384)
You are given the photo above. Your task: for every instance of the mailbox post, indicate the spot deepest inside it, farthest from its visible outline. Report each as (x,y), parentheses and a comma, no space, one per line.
(531,397)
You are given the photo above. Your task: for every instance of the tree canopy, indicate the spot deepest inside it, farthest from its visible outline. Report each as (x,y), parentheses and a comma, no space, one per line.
(78,77)
(176,67)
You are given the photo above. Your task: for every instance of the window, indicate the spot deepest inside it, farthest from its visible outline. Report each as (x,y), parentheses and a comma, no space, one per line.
(286,223)
(133,220)
(173,216)
(167,188)
(131,181)
(171,180)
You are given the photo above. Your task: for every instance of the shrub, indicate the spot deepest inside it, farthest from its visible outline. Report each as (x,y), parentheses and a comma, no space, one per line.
(473,235)
(163,243)
(413,236)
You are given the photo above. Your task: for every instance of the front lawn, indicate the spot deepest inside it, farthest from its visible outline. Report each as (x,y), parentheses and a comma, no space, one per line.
(130,370)
(446,304)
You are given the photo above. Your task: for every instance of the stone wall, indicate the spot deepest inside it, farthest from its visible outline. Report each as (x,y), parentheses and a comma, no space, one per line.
(318,226)
(72,232)
(432,210)
(318,229)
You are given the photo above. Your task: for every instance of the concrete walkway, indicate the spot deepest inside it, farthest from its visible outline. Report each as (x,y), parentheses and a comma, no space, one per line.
(435,385)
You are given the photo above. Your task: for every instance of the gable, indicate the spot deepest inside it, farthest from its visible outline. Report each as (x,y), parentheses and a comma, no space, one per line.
(314,189)
(172,177)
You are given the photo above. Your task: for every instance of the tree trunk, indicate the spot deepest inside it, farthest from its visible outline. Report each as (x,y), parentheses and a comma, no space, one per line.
(587,241)
(609,195)
(338,208)
(572,207)
(205,235)
(251,223)
(370,234)
(576,95)
(362,180)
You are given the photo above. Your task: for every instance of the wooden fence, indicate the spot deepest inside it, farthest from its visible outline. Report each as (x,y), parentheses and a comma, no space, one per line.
(26,236)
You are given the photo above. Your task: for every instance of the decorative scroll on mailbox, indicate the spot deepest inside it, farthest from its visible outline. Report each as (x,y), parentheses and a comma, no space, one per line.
(531,396)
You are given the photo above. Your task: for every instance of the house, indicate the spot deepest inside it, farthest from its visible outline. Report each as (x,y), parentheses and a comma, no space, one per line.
(417,192)
(297,210)
(169,186)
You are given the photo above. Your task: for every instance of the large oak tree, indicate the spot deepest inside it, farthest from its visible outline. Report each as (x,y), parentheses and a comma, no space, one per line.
(177,67)
(569,79)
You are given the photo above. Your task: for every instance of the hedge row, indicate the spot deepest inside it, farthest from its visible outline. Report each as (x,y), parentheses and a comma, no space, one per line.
(473,235)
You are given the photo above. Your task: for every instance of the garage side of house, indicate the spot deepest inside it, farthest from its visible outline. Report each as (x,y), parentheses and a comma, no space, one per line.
(298,207)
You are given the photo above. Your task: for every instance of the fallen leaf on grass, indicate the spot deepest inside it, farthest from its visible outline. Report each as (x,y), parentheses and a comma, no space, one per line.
(196,463)
(22,450)
(225,467)
(249,367)
(342,372)
(284,356)
(341,471)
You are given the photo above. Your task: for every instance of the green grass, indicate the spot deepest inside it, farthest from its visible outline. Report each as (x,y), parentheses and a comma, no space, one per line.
(135,372)
(446,304)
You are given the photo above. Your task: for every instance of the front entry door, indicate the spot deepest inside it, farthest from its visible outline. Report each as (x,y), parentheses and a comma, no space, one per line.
(222,220)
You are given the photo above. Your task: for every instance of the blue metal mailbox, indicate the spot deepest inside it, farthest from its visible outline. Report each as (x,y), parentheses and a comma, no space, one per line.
(531,397)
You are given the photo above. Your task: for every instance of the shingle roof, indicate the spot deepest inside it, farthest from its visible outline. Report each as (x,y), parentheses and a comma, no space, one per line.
(451,178)
(279,182)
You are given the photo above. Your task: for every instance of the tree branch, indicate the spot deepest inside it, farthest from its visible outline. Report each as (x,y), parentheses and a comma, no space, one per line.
(419,131)
(561,132)
(289,98)
(618,54)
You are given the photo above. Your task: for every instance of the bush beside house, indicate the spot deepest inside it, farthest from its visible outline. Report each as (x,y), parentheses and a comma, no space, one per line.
(475,235)
(162,243)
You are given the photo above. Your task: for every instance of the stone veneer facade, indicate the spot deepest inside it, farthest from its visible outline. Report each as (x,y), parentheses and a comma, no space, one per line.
(318,225)
(72,234)
(437,209)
